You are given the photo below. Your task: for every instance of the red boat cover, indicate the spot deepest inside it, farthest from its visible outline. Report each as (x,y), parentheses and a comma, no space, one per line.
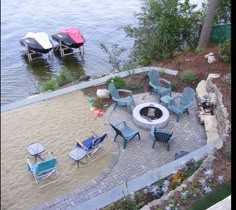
(74,33)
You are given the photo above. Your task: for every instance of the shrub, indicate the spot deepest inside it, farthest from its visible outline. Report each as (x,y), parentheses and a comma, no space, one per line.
(49,85)
(188,76)
(135,86)
(118,81)
(164,27)
(173,86)
(224,51)
(65,77)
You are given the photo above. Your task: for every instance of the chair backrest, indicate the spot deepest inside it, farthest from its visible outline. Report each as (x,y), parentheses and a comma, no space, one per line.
(162,135)
(99,140)
(187,96)
(117,130)
(45,166)
(154,77)
(113,91)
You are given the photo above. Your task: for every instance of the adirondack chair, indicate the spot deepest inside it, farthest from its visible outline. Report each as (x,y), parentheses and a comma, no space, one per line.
(162,135)
(121,101)
(184,102)
(158,85)
(43,170)
(123,130)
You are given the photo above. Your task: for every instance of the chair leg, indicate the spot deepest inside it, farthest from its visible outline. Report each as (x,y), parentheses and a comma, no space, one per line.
(187,111)
(168,146)
(129,110)
(125,142)
(115,137)
(178,116)
(115,105)
(154,142)
(139,136)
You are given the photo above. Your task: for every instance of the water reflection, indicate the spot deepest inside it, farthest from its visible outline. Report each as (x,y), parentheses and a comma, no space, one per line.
(74,63)
(41,68)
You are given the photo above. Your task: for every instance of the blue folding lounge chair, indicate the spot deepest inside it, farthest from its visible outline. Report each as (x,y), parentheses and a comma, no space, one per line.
(123,130)
(43,170)
(162,135)
(158,85)
(121,101)
(181,103)
(92,145)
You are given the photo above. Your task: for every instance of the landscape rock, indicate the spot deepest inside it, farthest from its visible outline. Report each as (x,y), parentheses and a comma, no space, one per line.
(103,93)
(211,129)
(201,90)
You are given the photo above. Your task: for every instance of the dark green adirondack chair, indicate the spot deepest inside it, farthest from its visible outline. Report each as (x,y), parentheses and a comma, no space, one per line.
(121,101)
(162,135)
(158,85)
(123,130)
(180,104)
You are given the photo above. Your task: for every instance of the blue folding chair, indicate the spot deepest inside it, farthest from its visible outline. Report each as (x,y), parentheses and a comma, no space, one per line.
(93,147)
(43,170)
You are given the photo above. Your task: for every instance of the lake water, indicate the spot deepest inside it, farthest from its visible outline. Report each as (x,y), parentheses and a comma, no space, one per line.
(98,21)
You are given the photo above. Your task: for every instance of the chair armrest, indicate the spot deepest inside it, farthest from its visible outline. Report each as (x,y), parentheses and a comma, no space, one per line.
(79,144)
(94,133)
(152,85)
(165,81)
(126,91)
(119,122)
(152,130)
(29,163)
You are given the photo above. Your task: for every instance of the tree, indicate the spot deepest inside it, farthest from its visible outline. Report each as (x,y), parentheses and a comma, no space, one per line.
(206,29)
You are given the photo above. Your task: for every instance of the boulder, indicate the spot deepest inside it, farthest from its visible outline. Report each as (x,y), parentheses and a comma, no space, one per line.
(103,93)
(201,90)
(211,128)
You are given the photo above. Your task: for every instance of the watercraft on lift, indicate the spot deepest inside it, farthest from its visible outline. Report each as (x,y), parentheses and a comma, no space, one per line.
(69,39)
(36,44)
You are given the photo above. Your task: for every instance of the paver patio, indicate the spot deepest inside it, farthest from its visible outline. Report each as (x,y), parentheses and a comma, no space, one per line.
(138,158)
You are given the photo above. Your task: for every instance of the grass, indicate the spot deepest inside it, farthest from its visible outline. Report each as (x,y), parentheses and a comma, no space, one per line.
(219,194)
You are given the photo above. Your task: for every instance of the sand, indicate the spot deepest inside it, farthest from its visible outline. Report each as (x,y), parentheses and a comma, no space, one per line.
(56,123)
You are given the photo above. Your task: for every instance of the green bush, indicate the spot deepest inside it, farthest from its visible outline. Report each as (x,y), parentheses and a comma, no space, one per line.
(164,27)
(49,85)
(224,51)
(135,86)
(65,77)
(188,76)
(173,86)
(118,81)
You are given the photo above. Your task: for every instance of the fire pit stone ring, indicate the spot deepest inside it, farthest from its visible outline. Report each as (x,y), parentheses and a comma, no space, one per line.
(146,115)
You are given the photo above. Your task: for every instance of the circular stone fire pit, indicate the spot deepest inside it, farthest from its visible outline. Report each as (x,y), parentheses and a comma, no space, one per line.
(147,114)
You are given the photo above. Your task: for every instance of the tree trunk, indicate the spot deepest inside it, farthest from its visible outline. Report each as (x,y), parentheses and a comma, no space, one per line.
(206,29)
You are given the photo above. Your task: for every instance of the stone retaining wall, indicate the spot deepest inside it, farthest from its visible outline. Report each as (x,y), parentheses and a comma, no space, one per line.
(220,111)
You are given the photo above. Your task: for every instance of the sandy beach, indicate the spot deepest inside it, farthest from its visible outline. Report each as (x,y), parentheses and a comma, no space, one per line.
(56,123)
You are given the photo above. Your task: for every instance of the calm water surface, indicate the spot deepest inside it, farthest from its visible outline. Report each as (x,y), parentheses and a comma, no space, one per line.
(97,20)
